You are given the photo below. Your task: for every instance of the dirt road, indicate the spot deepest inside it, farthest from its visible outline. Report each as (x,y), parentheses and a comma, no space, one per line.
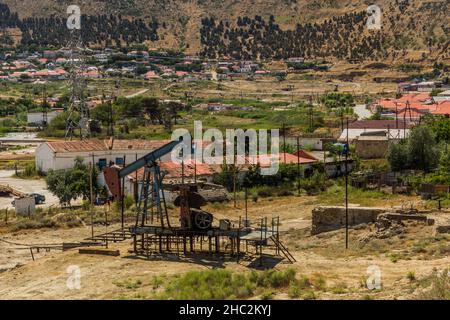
(322,255)
(26,186)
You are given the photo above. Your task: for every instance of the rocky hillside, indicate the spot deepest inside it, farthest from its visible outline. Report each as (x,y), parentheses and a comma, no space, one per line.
(242,28)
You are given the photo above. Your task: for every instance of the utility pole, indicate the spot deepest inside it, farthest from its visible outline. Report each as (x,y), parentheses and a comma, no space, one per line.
(284,142)
(235,183)
(346,191)
(123,196)
(91,175)
(298,165)
(311,114)
(246,205)
(396,116)
(194,148)
(44,107)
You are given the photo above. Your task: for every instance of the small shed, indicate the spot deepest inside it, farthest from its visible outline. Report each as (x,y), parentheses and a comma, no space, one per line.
(25,206)
(372,147)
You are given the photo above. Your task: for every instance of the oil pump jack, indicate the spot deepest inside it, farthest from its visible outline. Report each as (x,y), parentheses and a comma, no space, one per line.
(152,201)
(196,233)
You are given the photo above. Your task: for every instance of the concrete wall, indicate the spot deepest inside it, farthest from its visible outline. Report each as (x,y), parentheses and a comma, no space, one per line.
(337,169)
(371,149)
(326,219)
(44,158)
(36,118)
(306,143)
(25,206)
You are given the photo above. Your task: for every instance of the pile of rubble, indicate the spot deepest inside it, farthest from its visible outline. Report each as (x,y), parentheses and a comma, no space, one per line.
(389,225)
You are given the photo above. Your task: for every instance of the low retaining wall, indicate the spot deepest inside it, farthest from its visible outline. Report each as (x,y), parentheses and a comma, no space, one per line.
(326,219)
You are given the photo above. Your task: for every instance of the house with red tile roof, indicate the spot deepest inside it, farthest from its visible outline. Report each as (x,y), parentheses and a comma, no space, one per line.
(151,75)
(412,106)
(443,108)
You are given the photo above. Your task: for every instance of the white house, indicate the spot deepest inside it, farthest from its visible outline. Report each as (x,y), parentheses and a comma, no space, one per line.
(393,129)
(37,118)
(58,155)
(443,96)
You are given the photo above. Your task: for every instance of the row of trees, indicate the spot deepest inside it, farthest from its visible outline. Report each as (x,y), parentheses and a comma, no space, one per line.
(124,112)
(106,30)
(147,109)
(341,37)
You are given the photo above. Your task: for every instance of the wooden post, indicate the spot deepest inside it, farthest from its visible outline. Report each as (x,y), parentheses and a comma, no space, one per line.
(136,186)
(194,147)
(106,226)
(123,197)
(91,173)
(246,207)
(346,190)
(238,240)
(234,183)
(182,172)
(298,165)
(284,142)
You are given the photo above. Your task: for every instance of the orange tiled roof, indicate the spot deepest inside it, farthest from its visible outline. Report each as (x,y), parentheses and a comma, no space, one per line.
(443,108)
(104,145)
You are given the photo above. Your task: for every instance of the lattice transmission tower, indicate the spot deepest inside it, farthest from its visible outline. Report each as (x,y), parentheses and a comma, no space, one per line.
(78,110)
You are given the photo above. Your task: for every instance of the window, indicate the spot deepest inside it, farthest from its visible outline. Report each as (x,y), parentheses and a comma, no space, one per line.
(119,161)
(102,163)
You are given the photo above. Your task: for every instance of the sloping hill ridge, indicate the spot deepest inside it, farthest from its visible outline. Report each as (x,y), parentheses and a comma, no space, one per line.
(337,25)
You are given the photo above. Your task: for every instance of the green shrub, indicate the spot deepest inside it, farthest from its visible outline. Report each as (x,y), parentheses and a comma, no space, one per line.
(294,290)
(28,172)
(411,276)
(130,284)
(34,224)
(128,203)
(224,284)
(309,295)
(440,287)
(265,193)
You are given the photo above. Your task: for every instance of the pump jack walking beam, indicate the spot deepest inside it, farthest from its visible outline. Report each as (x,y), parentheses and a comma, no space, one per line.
(113,175)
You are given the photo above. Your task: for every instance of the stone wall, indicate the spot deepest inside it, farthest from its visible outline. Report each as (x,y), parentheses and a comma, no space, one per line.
(326,219)
(371,149)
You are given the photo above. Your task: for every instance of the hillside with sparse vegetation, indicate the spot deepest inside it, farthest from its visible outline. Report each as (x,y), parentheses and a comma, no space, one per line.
(266,29)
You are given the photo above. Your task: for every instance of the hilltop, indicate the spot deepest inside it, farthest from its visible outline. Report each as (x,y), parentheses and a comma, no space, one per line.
(320,28)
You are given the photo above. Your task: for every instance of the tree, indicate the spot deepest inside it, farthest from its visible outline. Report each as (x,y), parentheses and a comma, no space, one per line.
(422,149)
(441,128)
(418,152)
(338,100)
(71,184)
(398,157)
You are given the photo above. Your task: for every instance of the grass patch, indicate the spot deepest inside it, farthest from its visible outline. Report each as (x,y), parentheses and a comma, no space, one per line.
(226,285)
(439,284)
(130,284)
(34,224)
(411,276)
(335,195)
(340,288)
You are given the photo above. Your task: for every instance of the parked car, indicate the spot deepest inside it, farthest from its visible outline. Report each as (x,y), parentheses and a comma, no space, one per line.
(38,199)
(100,201)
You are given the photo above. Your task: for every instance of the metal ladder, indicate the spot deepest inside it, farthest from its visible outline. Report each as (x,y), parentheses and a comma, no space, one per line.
(283,249)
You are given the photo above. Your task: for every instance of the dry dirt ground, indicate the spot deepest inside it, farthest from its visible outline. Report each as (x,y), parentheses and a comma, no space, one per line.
(417,251)
(25,186)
